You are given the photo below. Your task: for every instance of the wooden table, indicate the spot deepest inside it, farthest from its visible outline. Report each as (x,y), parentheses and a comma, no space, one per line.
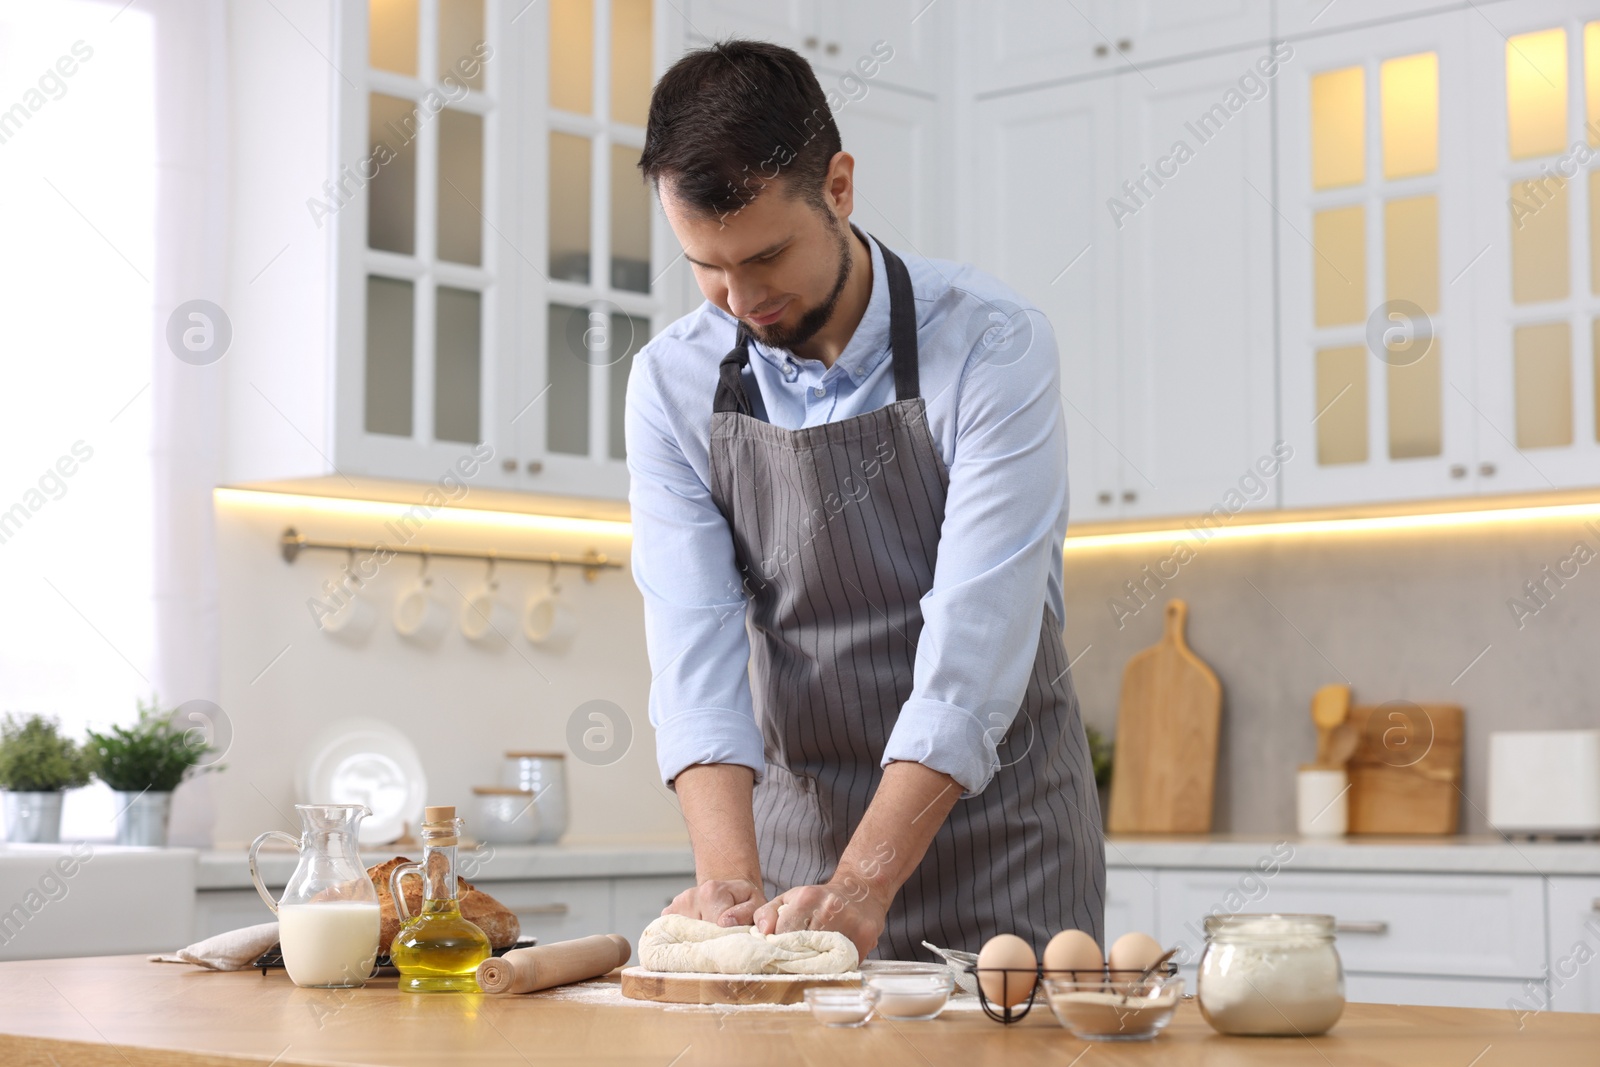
(127,1012)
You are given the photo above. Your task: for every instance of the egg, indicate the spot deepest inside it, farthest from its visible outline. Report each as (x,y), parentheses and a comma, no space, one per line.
(1070,952)
(1134,952)
(1015,983)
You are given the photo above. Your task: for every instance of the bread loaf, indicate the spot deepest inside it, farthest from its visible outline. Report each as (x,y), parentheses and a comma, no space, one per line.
(477,907)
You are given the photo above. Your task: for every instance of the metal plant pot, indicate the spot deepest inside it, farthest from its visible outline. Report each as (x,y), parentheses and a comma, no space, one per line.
(33,818)
(143,818)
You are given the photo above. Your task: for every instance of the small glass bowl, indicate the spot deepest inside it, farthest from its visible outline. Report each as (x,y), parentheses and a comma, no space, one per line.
(911,995)
(1113,1008)
(841,1006)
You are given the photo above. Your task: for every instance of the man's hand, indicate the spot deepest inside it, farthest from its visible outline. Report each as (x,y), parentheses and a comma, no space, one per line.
(726,903)
(847,903)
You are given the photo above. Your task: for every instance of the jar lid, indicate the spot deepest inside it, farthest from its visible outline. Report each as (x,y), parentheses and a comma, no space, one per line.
(500,790)
(1269,926)
(536,755)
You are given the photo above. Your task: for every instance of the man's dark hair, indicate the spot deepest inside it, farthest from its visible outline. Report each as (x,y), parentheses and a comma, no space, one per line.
(728,119)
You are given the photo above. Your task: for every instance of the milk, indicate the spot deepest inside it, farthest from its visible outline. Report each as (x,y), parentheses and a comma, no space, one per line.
(330,944)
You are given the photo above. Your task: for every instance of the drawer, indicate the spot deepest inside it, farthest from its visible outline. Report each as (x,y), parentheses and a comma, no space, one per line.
(557,909)
(1574,944)
(1130,903)
(1486,926)
(216,911)
(1525,995)
(636,901)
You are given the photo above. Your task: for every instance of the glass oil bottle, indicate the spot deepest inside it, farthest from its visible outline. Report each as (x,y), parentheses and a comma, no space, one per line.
(437,950)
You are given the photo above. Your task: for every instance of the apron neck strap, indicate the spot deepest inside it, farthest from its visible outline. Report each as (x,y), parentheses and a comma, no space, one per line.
(731,392)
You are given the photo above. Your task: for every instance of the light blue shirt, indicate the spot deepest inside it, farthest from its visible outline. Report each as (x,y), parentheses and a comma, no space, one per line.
(990,378)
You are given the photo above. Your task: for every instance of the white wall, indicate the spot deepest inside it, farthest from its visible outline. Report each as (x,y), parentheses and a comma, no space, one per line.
(461,705)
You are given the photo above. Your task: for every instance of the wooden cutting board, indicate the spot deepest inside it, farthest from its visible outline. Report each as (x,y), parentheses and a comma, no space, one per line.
(690,988)
(1165,766)
(1405,776)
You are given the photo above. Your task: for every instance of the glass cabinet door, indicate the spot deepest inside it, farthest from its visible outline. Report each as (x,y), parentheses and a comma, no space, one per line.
(420,298)
(1540,289)
(1376,360)
(600,298)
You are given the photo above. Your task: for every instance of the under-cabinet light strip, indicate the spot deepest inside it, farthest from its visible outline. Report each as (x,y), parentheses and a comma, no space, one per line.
(1195,530)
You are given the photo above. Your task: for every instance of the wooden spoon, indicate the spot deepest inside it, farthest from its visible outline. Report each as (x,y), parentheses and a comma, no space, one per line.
(1330,706)
(1343,741)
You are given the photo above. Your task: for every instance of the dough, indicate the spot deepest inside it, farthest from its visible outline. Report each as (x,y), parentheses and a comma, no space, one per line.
(679,943)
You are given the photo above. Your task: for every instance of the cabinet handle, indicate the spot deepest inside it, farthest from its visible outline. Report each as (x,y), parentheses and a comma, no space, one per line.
(1594,905)
(1101,50)
(508,465)
(1370,927)
(1124,45)
(1104,498)
(535,466)
(1458,470)
(810,42)
(832,48)
(1486,469)
(1129,496)
(546,909)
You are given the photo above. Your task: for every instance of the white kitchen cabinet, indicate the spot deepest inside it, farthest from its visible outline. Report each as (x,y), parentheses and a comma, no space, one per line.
(894,138)
(1536,288)
(499,259)
(1042,171)
(835,35)
(1017,44)
(1435,991)
(1574,947)
(1154,265)
(556,909)
(1130,903)
(636,902)
(1193,244)
(1378,233)
(1477,926)
(1297,18)
(216,911)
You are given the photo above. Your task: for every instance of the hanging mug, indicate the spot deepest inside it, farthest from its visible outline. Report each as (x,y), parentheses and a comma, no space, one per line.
(485,618)
(547,619)
(418,616)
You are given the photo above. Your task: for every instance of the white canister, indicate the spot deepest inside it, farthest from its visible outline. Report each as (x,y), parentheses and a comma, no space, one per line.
(1322,801)
(544,774)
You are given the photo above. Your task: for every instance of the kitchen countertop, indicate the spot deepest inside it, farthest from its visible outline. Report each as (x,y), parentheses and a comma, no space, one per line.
(1428,855)
(126,1010)
(230,868)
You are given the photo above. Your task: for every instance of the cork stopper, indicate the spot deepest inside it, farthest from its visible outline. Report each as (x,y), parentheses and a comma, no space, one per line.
(439,825)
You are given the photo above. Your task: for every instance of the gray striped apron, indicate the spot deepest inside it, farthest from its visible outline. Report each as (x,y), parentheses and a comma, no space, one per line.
(836,529)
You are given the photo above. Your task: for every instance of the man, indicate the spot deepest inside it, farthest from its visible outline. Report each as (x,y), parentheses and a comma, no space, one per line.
(848,494)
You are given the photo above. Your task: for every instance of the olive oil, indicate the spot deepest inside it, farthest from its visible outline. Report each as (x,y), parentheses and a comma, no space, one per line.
(437,950)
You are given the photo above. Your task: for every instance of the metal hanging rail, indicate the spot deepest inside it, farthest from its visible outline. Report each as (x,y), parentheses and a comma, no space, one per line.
(293,543)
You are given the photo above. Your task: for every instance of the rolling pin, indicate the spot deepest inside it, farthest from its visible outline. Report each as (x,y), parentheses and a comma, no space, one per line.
(528,970)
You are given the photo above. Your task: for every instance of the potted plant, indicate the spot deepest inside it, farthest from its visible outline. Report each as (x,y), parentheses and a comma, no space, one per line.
(37,765)
(1100,755)
(143,764)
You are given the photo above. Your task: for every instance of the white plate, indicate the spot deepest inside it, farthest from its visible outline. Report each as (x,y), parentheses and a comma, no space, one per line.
(365,761)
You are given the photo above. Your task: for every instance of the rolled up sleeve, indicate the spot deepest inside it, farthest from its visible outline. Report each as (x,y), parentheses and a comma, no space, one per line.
(694,608)
(1005,513)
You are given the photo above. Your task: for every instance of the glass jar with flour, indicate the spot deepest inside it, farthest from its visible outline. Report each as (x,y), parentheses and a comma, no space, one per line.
(1271,974)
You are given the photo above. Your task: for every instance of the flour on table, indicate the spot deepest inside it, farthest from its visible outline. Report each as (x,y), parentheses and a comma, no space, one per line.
(678,944)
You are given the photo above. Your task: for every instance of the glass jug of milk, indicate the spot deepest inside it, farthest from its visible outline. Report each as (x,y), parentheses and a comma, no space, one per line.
(328,914)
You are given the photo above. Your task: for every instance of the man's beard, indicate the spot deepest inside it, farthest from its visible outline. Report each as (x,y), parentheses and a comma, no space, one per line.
(780,336)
